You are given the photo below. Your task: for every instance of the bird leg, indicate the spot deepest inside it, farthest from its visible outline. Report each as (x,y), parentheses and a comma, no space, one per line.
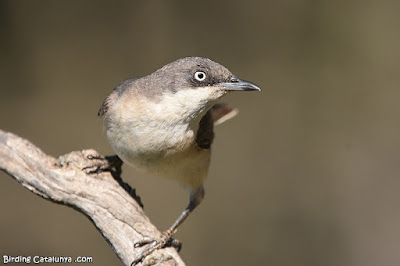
(195,198)
(112,164)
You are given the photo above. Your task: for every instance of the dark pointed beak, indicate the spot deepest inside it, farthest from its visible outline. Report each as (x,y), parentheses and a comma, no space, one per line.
(236,84)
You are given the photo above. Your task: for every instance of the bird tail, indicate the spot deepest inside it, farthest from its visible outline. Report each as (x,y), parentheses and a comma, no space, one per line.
(222,112)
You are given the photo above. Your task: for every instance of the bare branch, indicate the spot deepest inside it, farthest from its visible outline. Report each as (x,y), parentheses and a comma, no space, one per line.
(114,211)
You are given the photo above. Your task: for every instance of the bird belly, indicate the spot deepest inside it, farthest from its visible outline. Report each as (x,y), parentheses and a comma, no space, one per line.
(168,152)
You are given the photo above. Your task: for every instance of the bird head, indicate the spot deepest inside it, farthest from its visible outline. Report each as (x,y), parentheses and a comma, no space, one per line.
(196,82)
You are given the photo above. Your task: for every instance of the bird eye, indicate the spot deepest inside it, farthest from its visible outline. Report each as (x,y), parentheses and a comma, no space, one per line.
(200,75)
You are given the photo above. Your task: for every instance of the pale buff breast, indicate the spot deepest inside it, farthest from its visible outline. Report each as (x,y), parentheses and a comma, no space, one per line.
(157,140)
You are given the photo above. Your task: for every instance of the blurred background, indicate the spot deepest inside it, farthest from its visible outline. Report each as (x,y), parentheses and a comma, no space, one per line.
(306,174)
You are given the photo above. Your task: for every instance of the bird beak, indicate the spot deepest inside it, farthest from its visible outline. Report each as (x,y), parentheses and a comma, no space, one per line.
(236,84)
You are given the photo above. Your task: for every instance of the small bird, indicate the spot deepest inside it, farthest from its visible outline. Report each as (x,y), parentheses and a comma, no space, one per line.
(163,124)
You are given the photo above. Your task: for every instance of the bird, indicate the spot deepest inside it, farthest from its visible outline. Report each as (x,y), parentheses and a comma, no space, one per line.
(163,124)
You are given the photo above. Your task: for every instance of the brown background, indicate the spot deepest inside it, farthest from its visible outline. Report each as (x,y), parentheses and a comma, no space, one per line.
(306,174)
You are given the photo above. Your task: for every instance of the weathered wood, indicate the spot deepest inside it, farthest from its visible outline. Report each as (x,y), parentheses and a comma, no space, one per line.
(106,201)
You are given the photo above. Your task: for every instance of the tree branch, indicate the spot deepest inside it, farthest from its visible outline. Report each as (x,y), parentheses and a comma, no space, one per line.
(108,202)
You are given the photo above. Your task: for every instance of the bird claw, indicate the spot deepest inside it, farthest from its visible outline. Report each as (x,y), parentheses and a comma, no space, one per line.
(107,163)
(143,242)
(154,244)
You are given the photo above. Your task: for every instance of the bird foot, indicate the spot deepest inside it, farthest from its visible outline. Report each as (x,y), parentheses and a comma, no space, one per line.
(164,241)
(103,164)
(112,164)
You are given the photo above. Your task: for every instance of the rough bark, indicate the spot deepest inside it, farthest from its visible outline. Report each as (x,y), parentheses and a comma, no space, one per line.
(103,197)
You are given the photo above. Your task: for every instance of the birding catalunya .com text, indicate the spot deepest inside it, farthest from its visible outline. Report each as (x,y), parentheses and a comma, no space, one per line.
(45,259)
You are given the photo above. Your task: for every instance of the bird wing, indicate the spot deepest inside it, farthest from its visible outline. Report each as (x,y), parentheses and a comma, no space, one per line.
(218,114)
(118,91)
(205,134)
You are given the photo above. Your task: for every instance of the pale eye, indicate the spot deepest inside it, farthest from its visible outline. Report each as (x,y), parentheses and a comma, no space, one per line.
(200,75)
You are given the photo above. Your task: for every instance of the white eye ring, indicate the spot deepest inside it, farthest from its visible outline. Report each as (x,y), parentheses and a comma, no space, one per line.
(200,75)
